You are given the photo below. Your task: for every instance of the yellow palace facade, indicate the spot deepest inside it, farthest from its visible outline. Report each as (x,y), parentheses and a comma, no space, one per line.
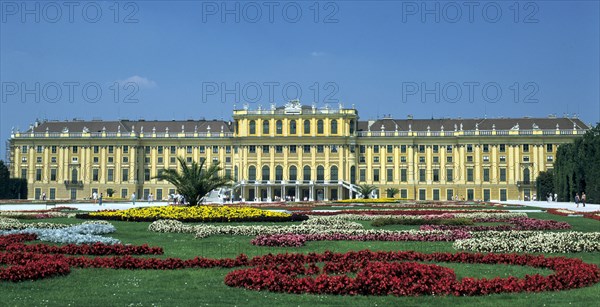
(295,152)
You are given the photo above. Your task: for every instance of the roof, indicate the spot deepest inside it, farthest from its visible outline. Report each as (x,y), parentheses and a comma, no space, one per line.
(523,123)
(126,126)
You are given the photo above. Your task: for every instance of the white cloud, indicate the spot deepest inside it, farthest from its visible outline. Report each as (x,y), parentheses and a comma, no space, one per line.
(317,53)
(142,82)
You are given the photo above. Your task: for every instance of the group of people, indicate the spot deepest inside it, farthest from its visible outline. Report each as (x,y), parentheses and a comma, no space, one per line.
(97,198)
(177,199)
(580,199)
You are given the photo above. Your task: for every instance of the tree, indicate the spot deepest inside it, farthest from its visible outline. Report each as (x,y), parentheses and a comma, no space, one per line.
(391,192)
(11,188)
(4,180)
(365,190)
(545,184)
(194,180)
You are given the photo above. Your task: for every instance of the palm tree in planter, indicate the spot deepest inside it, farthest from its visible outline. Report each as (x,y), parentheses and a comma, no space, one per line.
(366,189)
(194,180)
(391,192)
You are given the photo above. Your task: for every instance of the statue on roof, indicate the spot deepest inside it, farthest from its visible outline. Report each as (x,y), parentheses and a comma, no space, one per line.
(293,106)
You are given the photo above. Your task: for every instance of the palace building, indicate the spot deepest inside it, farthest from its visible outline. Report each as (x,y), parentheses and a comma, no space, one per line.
(299,151)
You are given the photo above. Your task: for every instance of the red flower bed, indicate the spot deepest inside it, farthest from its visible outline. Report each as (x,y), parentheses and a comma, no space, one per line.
(518,223)
(376,273)
(592,215)
(380,273)
(557,212)
(296,240)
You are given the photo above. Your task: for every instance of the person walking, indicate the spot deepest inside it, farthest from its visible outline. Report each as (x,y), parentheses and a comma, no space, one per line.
(150,198)
(133,198)
(95,196)
(583,198)
(577,199)
(100,200)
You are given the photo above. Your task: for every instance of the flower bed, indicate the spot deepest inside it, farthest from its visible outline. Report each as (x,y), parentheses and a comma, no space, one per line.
(85,233)
(521,223)
(296,240)
(531,242)
(592,215)
(379,273)
(397,212)
(195,214)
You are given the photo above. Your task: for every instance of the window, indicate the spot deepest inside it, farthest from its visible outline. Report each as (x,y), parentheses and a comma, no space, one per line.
(449,194)
(147,150)
(376,174)
(189,149)
(362,159)
(403,176)
(486,158)
(53,159)
(375,159)
(449,149)
(436,194)
(502,174)
(111,149)
(38,160)
(333,173)
(265,148)
(436,149)
(53,149)
(525,158)
(502,158)
(39,149)
(389,174)
(422,175)
(469,158)
(404,193)
(549,147)
(146,174)
(486,175)
(525,147)
(227,149)
(549,158)
(125,149)
(75,149)
(172,160)
(403,148)
(334,148)
(421,148)
(436,175)
(449,175)
(292,148)
(334,127)
(293,173)
(173,150)
(292,127)
(502,148)
(110,174)
(469,147)
(189,159)
(469,174)
(111,159)
(403,159)
(74,159)
(307,127)
(362,175)
(52,174)
(252,127)
(252,172)
(320,173)
(160,150)
(279,127)
(436,159)
(320,148)
(306,148)
(390,159)
(306,173)
(23,173)
(278,149)
(375,148)
(265,128)
(215,149)
(362,149)
(278,173)
(486,148)
(124,193)
(126,159)
(266,173)
(95,174)
(38,174)
(52,193)
(449,159)
(390,149)
(227,159)
(320,126)
(252,148)
(202,149)
(125,175)
(24,149)
(421,159)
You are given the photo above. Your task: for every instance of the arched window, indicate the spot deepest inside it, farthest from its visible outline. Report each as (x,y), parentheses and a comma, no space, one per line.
(74,175)
(334,173)
(278,127)
(252,172)
(265,127)
(279,172)
(320,173)
(266,173)
(307,126)
(306,173)
(292,127)
(526,176)
(334,127)
(252,127)
(320,126)
(352,126)
(293,173)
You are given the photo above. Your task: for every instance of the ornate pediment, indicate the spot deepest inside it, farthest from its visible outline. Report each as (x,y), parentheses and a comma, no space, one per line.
(293,107)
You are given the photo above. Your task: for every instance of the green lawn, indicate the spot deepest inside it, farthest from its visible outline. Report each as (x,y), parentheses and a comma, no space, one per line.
(197,287)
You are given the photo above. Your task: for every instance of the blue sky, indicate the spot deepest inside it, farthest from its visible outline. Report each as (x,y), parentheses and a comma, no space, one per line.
(185,59)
